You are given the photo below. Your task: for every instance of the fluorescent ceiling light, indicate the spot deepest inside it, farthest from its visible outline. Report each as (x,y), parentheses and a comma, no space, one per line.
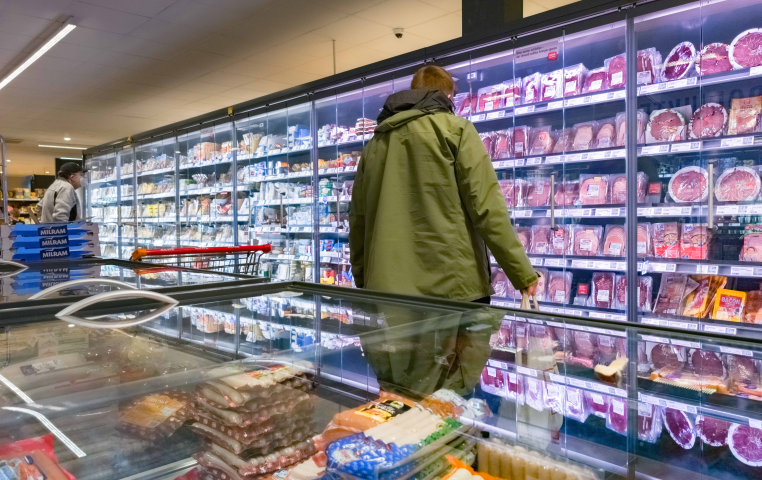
(59,34)
(67,138)
(64,146)
(70,158)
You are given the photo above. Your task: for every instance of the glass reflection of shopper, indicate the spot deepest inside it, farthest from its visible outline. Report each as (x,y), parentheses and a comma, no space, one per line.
(61,203)
(426,200)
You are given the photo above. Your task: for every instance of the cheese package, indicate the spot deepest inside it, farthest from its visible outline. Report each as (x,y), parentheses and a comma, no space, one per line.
(729,305)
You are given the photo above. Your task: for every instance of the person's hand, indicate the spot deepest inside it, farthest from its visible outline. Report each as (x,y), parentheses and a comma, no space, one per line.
(531,289)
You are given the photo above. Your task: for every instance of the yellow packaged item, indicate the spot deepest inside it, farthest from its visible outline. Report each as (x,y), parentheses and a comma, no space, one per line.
(729,305)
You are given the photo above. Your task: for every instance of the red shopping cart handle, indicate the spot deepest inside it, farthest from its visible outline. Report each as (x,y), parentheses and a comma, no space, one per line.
(141,253)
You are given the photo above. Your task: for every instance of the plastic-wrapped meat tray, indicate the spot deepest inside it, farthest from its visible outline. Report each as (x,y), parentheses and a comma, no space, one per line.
(737,184)
(597,403)
(689,184)
(603,289)
(616,74)
(616,420)
(538,192)
(575,404)
(680,62)
(714,58)
(614,241)
(746,49)
(710,120)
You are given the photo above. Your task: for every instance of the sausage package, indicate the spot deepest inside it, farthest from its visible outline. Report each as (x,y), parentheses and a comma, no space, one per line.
(594,189)
(552,85)
(596,81)
(666,240)
(531,88)
(367,416)
(584,136)
(31,459)
(574,79)
(157,416)
(585,240)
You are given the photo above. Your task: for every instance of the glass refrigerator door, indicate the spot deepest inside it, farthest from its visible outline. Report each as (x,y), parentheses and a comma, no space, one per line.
(103,201)
(251,128)
(127,210)
(156,184)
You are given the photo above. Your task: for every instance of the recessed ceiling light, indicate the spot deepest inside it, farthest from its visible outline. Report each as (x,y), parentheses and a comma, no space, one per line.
(67,138)
(47,172)
(63,146)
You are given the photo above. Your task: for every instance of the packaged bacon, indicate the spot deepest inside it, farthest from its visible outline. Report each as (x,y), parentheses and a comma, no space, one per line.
(670,295)
(621,128)
(606,136)
(514,192)
(574,79)
(616,71)
(602,295)
(594,189)
(539,190)
(585,240)
(552,85)
(584,136)
(614,241)
(541,240)
(645,291)
(596,81)
(564,141)
(559,287)
(488,139)
(491,98)
(531,88)
(694,241)
(542,141)
(648,64)
(666,240)
(729,305)
(745,115)
(155,417)
(503,144)
(567,193)
(520,141)
(645,247)
(525,237)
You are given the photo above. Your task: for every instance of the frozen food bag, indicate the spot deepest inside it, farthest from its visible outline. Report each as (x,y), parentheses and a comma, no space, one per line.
(559,287)
(574,79)
(594,189)
(585,240)
(666,240)
(531,88)
(584,136)
(596,81)
(542,141)
(616,74)
(551,85)
(564,141)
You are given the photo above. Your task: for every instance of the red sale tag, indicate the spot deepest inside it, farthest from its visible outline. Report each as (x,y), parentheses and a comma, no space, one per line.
(552,55)
(582,289)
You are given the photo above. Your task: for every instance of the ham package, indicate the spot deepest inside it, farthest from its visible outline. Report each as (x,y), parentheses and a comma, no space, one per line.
(689,184)
(745,50)
(744,115)
(645,289)
(584,136)
(666,240)
(542,141)
(560,240)
(666,125)
(559,287)
(713,58)
(465,104)
(531,88)
(503,144)
(680,62)
(603,290)
(491,98)
(594,189)
(619,188)
(539,190)
(645,246)
(574,79)
(606,136)
(500,284)
(585,240)
(616,74)
(514,192)
(709,121)
(541,240)
(567,193)
(694,241)
(155,417)
(738,184)
(564,141)
(488,140)
(647,68)
(596,81)
(752,244)
(670,295)
(614,241)
(621,128)
(552,85)
(524,235)
(520,141)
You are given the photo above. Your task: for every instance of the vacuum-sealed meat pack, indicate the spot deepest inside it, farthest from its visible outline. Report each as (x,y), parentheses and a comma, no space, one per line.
(594,189)
(585,240)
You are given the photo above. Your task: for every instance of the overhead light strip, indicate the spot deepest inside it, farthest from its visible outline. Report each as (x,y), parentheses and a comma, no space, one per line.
(64,146)
(60,33)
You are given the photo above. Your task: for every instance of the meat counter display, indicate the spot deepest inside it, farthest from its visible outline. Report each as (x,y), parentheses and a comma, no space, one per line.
(300,381)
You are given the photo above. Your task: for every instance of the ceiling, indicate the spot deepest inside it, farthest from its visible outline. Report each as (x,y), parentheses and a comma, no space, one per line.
(135,65)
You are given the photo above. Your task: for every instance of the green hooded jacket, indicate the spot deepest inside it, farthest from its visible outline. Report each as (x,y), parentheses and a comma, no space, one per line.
(425,201)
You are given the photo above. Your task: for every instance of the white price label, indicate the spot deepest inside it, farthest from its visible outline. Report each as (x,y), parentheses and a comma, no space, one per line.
(742,271)
(655,150)
(493,115)
(736,351)
(573,158)
(753,71)
(737,142)
(663,267)
(646,89)
(534,161)
(620,94)
(602,97)
(677,84)
(509,163)
(682,325)
(478,118)
(685,147)
(645,212)
(519,162)
(524,110)
(598,315)
(491,372)
(575,102)
(555,105)
(537,262)
(525,371)
(554,262)
(554,159)
(707,269)
(582,264)
(522,213)
(727,210)
(718,329)
(755,423)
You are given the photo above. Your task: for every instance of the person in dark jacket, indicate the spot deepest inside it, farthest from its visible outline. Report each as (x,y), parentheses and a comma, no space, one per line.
(426,202)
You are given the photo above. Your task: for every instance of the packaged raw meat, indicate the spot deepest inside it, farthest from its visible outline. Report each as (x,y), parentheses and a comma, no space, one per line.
(621,128)
(619,188)
(559,239)
(729,305)
(707,365)
(606,136)
(594,189)
(744,115)
(753,312)
(538,191)
(542,141)
(542,284)
(737,184)
(564,141)
(155,417)
(744,375)
(597,403)
(552,85)
(584,136)
(575,405)
(534,393)
(384,408)
(648,62)
(694,241)
(488,139)
(745,50)
(616,74)
(531,88)
(503,144)
(582,351)
(574,79)
(541,240)
(710,120)
(680,62)
(516,387)
(645,289)
(681,427)
(585,240)
(645,247)
(520,141)
(713,431)
(649,422)
(603,290)
(610,348)
(567,193)
(596,81)
(752,244)
(504,337)
(491,98)
(665,359)
(713,58)
(554,397)
(666,240)
(670,295)
(666,125)
(465,104)
(514,192)
(559,287)
(500,282)
(616,420)
(689,184)
(525,237)
(614,241)
(494,381)
(512,92)
(744,442)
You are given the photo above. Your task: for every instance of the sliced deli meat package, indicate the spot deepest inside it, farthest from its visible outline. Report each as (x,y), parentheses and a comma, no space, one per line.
(559,240)
(619,188)
(542,243)
(552,85)
(503,144)
(491,98)
(514,192)
(680,62)
(666,239)
(648,64)
(500,283)
(542,141)
(616,74)
(488,139)
(574,79)
(752,244)
(729,305)
(700,301)
(567,193)
(596,81)
(694,241)
(614,241)
(746,49)
(559,287)
(530,92)
(753,312)
(745,115)
(539,190)
(606,135)
(520,141)
(512,92)
(645,246)
(737,184)
(594,189)
(603,290)
(155,417)
(670,296)
(585,240)
(667,125)
(564,141)
(621,128)
(710,120)
(645,290)
(689,184)
(713,58)
(524,235)
(584,136)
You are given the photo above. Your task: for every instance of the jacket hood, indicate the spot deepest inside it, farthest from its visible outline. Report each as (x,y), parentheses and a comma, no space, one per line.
(407,105)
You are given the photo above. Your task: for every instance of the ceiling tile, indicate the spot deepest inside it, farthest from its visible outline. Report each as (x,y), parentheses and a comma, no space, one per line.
(265,85)
(91,37)
(103,71)
(14,41)
(440,29)
(392,45)
(170,33)
(70,51)
(202,59)
(322,67)
(47,9)
(293,77)
(184,95)
(147,78)
(347,6)
(121,60)
(225,78)
(203,87)
(451,6)
(357,57)
(401,13)
(532,8)
(220,45)
(145,48)
(93,16)
(280,57)
(351,29)
(141,110)
(146,8)
(239,94)
(22,24)
(251,69)
(178,70)
(197,15)
(315,45)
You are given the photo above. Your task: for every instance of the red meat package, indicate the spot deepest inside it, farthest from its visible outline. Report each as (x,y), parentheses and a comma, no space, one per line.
(524,235)
(752,244)
(491,98)
(616,420)
(713,58)
(670,296)
(559,240)
(645,247)
(665,359)
(594,189)
(737,184)
(645,291)
(31,459)
(505,336)
(616,74)
(559,287)
(689,184)
(542,240)
(582,350)
(575,405)
(606,136)
(539,190)
(494,381)
(512,92)
(500,283)
(520,141)
(680,62)
(542,141)
(531,88)
(464,104)
(597,403)
(602,295)
(514,192)
(534,393)
(567,192)
(574,79)
(619,188)
(516,387)
(694,241)
(564,141)
(488,139)
(542,284)
(649,422)
(621,128)
(753,312)
(584,136)
(614,241)
(503,144)
(552,85)
(596,81)
(585,240)
(668,125)
(744,375)
(666,240)
(648,61)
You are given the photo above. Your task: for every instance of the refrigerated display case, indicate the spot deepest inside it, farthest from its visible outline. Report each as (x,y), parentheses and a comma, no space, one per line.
(261,380)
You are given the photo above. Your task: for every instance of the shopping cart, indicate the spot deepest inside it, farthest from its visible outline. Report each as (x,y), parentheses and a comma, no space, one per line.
(243,260)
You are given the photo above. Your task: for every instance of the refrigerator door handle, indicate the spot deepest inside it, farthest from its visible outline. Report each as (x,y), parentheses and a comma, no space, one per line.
(67,313)
(75,283)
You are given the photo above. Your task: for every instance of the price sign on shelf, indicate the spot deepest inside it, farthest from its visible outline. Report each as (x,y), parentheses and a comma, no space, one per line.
(663,267)
(555,105)
(582,264)
(534,161)
(754,71)
(602,97)
(573,158)
(536,261)
(742,271)
(707,269)
(645,211)
(655,150)
(493,115)
(575,102)
(554,262)
(478,118)
(719,329)
(554,159)
(524,110)
(685,147)
(736,351)
(727,210)
(737,142)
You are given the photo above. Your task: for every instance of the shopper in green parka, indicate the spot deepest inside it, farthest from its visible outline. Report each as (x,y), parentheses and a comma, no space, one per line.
(426,200)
